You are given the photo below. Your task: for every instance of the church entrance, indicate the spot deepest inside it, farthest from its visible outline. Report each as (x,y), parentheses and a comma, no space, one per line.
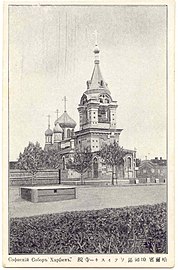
(95,168)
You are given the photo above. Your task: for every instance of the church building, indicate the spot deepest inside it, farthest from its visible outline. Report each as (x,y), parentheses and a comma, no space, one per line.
(97,126)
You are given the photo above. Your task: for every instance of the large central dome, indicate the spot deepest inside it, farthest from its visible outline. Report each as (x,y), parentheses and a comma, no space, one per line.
(65,121)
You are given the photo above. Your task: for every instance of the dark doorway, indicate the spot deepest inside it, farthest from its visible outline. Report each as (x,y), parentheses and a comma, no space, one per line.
(95,168)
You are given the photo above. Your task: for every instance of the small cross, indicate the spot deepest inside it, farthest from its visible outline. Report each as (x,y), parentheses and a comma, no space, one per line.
(65,103)
(96,37)
(48,120)
(57,113)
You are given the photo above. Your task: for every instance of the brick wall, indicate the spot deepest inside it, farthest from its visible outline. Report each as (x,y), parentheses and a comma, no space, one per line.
(152,171)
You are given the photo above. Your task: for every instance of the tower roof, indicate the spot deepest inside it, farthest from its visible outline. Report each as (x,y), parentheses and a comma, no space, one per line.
(57,128)
(48,132)
(97,83)
(65,121)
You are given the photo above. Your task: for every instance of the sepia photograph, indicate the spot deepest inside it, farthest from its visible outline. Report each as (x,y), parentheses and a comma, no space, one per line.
(89,134)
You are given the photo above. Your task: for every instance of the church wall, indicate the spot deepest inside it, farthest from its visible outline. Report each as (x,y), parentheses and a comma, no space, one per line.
(64,133)
(95,143)
(57,137)
(103,139)
(113,117)
(57,146)
(129,165)
(96,125)
(65,144)
(95,140)
(83,141)
(93,116)
(73,174)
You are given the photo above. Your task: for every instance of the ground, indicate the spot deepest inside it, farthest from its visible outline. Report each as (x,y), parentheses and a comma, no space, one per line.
(90,198)
(131,230)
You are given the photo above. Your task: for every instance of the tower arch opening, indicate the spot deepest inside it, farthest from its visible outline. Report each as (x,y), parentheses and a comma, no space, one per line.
(68,133)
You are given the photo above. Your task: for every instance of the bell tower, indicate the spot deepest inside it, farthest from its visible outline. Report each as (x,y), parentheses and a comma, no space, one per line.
(97,108)
(97,112)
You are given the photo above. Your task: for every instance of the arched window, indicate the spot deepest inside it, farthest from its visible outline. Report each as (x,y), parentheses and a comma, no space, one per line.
(104,98)
(63,135)
(83,100)
(103,114)
(68,133)
(129,163)
(101,100)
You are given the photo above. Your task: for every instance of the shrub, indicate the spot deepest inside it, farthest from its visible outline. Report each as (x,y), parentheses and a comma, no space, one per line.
(141,229)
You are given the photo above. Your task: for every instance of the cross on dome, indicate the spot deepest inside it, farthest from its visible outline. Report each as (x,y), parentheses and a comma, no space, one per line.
(65,103)
(57,113)
(48,132)
(96,49)
(48,120)
(65,121)
(97,82)
(96,37)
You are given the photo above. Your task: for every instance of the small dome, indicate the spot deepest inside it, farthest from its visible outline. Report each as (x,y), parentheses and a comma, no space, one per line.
(48,132)
(57,128)
(65,121)
(96,49)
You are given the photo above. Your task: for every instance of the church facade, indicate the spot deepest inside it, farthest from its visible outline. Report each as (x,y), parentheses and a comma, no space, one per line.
(97,126)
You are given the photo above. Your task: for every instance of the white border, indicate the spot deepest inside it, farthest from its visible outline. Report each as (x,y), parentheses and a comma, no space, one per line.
(171,99)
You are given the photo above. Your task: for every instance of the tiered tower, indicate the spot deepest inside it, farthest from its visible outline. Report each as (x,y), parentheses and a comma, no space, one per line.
(97,111)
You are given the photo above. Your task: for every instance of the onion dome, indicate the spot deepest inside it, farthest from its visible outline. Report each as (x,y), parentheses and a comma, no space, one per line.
(65,121)
(48,132)
(57,128)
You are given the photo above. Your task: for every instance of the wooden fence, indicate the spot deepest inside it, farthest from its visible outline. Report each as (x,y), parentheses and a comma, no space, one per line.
(43,177)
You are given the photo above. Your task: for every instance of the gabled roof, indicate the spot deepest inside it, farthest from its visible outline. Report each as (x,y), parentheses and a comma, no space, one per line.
(146,163)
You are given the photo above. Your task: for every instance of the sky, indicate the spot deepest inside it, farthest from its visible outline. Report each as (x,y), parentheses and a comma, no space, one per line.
(51,56)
